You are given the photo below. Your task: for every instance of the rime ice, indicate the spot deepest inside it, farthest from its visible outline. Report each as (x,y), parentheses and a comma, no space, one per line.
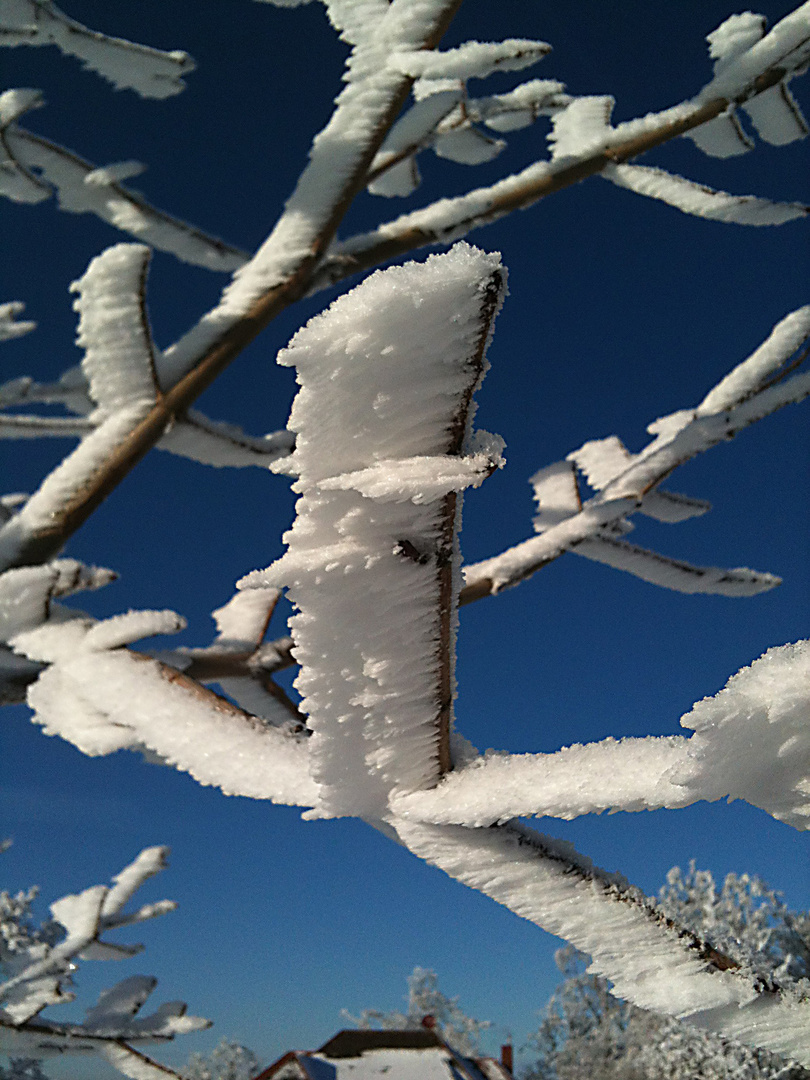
(382,418)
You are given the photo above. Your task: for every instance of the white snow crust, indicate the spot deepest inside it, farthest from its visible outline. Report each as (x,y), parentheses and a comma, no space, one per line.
(776,116)
(384,375)
(722,137)
(734,36)
(467,145)
(674,573)
(63,171)
(750,742)
(430,1063)
(615,774)
(113,332)
(9,327)
(151,72)
(556,494)
(102,701)
(473,60)
(546,882)
(702,201)
(785,338)
(582,128)
(786,45)
(335,156)
(751,739)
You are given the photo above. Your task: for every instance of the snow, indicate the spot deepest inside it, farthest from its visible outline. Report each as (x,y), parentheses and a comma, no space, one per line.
(582,128)
(14,103)
(114,174)
(397,180)
(751,739)
(520,107)
(674,574)
(24,596)
(473,60)
(750,742)
(339,153)
(151,72)
(467,146)
(62,170)
(741,383)
(418,479)
(223,445)
(702,201)
(242,622)
(556,494)
(722,137)
(430,1063)
(386,376)
(734,36)
(785,46)
(417,124)
(119,1003)
(670,507)
(105,701)
(776,115)
(546,882)
(625,774)
(601,460)
(626,481)
(66,480)
(511,565)
(113,331)
(130,1062)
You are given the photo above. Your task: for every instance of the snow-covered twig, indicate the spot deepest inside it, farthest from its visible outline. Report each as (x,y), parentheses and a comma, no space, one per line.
(760,71)
(84,188)
(650,961)
(375,527)
(153,73)
(624,482)
(763,706)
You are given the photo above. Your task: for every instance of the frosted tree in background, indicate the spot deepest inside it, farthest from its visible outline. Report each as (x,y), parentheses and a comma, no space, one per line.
(380,446)
(463,1032)
(37,962)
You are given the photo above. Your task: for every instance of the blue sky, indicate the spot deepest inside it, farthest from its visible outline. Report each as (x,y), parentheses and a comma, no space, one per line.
(621,310)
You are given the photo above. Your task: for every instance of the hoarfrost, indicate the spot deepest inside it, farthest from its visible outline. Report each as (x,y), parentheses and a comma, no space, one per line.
(700,200)
(118,361)
(776,115)
(581,128)
(151,72)
(473,60)
(397,374)
(546,882)
(722,137)
(751,740)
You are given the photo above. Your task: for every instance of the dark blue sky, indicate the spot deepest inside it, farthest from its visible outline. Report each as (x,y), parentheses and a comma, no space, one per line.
(621,310)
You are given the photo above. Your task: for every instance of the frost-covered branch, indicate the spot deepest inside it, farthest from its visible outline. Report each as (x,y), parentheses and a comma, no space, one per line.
(276,276)
(83,188)
(40,966)
(102,697)
(40,963)
(625,483)
(763,707)
(9,327)
(383,448)
(650,961)
(119,377)
(153,73)
(584,144)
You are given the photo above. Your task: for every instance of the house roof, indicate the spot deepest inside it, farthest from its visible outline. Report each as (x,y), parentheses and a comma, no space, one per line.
(355,1054)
